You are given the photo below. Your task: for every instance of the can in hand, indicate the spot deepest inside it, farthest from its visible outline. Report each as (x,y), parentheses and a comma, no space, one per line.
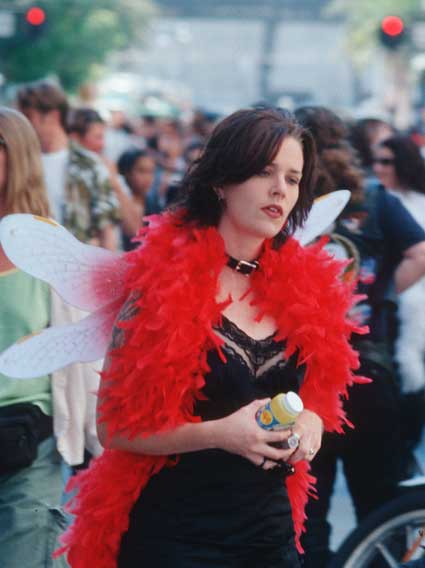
(281,412)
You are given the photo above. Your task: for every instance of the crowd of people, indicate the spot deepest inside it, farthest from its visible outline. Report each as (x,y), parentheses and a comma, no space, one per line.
(199,346)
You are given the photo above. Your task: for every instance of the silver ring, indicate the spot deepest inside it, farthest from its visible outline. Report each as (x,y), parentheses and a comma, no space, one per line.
(293,441)
(311,452)
(263,462)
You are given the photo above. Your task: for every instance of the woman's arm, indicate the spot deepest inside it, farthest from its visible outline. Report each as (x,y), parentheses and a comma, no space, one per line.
(237,433)
(411,267)
(405,238)
(131,213)
(108,237)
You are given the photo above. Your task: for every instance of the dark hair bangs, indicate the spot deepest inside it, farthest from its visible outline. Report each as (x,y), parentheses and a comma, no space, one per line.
(241,146)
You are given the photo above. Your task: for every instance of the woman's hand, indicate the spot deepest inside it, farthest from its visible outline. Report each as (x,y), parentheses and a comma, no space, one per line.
(240,434)
(237,433)
(309,428)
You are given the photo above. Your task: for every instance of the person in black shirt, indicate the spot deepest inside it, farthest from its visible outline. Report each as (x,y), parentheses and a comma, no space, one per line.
(386,250)
(225,505)
(188,478)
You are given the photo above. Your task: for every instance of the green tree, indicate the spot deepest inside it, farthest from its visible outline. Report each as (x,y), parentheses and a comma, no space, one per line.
(363,18)
(76,38)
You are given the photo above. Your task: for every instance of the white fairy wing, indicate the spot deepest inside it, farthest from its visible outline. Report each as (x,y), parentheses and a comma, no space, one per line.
(56,347)
(87,277)
(323,213)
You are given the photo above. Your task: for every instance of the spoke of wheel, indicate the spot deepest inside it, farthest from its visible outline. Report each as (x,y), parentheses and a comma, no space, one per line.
(416,544)
(392,562)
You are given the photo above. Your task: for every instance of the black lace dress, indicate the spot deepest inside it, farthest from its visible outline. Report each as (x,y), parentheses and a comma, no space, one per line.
(217,509)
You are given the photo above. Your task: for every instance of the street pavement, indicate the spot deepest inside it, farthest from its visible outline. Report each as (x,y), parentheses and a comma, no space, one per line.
(342,513)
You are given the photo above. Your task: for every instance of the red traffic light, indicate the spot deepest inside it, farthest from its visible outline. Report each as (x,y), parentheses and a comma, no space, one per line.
(35,16)
(392,26)
(393,33)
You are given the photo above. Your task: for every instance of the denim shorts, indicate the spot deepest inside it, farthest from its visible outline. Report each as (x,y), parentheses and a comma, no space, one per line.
(30,516)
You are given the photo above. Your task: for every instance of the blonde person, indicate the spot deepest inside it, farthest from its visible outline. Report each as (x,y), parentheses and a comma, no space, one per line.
(30,466)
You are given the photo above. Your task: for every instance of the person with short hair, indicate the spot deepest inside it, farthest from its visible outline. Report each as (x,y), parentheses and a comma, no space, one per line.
(87,127)
(78,185)
(224,311)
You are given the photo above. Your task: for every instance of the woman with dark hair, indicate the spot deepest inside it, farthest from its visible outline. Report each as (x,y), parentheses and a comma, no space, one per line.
(224,311)
(367,133)
(385,248)
(137,167)
(338,164)
(399,166)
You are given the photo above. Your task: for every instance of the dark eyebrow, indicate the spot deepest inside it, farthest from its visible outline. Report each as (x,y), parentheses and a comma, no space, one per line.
(292,171)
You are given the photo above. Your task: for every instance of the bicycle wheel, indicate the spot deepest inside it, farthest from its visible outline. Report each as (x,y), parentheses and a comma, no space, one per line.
(383,538)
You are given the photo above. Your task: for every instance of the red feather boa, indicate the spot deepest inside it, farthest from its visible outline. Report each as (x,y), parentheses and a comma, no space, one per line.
(155,380)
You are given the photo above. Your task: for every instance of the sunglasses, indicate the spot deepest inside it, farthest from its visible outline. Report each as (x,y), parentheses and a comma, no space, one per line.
(383,161)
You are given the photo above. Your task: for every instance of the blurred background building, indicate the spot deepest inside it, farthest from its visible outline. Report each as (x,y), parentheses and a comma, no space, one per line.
(234,52)
(152,56)
(225,54)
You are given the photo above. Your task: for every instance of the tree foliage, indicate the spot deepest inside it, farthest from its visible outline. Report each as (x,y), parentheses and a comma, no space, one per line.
(77,36)
(363,19)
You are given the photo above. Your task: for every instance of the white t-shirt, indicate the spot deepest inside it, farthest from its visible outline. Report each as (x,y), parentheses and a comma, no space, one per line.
(54,166)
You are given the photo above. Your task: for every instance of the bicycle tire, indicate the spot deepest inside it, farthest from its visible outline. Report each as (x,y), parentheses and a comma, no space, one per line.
(360,550)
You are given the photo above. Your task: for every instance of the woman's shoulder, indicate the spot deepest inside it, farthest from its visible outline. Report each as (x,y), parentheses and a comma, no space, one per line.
(170,247)
(309,259)
(316,278)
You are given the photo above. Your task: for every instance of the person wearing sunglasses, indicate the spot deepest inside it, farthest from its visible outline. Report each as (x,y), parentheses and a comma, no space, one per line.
(400,168)
(385,251)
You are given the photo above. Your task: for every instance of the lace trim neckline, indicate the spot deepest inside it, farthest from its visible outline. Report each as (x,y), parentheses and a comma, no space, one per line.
(231,327)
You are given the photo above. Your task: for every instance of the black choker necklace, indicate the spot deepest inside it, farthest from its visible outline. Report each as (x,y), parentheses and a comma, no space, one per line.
(245,267)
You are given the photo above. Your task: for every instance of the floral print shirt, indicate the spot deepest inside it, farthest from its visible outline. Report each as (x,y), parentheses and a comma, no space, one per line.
(90,204)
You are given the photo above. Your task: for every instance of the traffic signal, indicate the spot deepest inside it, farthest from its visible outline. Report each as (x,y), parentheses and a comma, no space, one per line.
(35,21)
(392,32)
